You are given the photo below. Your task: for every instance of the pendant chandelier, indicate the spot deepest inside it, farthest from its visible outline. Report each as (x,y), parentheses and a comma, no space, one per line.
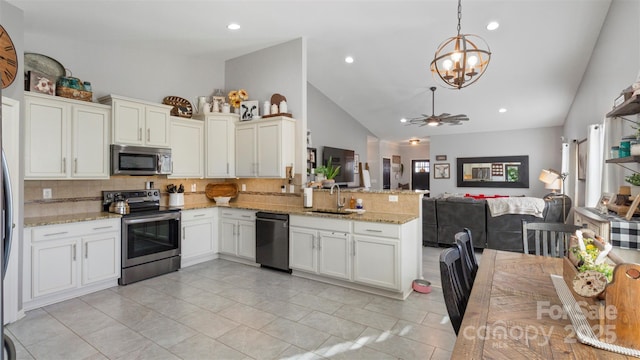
(461,60)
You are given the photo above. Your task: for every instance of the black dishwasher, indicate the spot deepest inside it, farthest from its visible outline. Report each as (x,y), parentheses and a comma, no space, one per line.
(272,240)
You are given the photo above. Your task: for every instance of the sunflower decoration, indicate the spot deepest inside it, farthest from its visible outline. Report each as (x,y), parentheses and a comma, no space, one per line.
(237,96)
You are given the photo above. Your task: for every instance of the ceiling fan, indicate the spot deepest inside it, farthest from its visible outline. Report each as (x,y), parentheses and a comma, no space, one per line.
(438,120)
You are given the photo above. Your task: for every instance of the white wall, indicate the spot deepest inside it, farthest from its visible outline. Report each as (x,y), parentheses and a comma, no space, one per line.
(542,145)
(131,71)
(331,126)
(614,65)
(278,69)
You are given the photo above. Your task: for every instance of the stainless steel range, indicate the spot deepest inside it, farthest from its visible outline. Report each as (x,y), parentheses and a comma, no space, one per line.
(150,235)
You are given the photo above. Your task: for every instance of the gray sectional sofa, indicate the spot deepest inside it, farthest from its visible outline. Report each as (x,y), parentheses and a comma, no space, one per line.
(443,218)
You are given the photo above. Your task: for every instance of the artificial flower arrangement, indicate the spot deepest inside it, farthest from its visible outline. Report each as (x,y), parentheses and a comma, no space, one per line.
(237,96)
(590,257)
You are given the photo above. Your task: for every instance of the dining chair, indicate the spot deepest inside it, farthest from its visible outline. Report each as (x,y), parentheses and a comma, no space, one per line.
(550,239)
(456,294)
(469,260)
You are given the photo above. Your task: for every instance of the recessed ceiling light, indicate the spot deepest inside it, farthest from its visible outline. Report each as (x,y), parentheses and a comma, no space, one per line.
(493,25)
(414,141)
(233,26)
(348,60)
(403,120)
(502,110)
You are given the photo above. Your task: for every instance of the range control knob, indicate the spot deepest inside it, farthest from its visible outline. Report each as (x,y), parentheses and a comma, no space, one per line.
(156,193)
(149,193)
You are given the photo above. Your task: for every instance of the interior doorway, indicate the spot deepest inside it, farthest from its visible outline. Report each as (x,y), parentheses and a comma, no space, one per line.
(386,173)
(420,174)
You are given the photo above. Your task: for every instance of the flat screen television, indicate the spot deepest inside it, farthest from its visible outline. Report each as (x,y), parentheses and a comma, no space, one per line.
(344,158)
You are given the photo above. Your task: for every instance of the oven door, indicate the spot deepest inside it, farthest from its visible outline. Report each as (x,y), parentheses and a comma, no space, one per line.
(150,237)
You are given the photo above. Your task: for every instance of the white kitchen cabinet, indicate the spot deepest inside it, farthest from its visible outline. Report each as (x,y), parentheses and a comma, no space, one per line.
(334,254)
(199,240)
(65,139)
(220,144)
(370,256)
(70,260)
(264,148)
(320,246)
(238,233)
(187,148)
(376,259)
(136,122)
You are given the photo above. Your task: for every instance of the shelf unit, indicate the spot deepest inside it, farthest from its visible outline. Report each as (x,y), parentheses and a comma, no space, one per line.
(627,159)
(631,106)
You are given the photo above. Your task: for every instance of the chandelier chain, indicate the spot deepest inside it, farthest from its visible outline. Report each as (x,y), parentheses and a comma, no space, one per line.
(459,15)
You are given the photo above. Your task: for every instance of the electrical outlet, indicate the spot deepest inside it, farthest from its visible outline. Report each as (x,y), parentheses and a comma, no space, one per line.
(193,188)
(46,193)
(244,187)
(393,198)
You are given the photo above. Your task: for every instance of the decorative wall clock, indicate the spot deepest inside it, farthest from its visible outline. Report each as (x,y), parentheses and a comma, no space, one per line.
(8,59)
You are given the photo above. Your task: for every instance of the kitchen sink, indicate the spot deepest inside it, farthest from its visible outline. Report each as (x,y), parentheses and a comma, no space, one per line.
(332,212)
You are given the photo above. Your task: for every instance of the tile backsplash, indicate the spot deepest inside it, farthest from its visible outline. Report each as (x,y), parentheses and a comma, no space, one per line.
(85,196)
(82,196)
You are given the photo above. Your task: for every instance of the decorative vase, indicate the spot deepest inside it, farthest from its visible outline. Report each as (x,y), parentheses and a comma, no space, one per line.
(327,183)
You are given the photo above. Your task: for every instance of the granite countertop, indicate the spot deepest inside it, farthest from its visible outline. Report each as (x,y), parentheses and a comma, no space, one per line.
(389,218)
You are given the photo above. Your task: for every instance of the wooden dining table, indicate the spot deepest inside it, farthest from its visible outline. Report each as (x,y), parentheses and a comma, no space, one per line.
(514,312)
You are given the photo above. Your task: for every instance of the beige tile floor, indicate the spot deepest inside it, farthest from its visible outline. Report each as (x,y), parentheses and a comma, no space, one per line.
(223,310)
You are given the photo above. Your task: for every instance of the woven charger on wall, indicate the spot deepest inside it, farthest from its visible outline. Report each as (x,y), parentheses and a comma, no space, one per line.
(220,190)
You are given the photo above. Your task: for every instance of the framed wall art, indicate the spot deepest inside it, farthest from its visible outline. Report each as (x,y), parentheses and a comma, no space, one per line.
(441,157)
(249,110)
(441,171)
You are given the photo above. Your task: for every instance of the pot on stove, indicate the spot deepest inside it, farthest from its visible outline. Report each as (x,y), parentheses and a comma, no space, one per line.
(119,206)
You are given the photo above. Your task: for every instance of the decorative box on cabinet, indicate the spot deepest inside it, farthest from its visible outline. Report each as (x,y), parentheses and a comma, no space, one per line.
(137,122)
(199,236)
(65,139)
(220,144)
(187,148)
(69,260)
(264,148)
(238,235)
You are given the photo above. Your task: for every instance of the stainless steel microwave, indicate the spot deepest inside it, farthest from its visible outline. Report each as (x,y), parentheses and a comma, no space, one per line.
(140,160)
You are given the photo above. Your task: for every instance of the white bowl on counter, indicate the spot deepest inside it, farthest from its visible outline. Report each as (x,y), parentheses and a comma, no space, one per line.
(222,200)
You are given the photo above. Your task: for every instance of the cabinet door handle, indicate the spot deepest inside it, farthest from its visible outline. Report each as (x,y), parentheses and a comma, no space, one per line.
(64,164)
(246,216)
(353,246)
(140,134)
(75,165)
(227,168)
(57,233)
(86,250)
(73,252)
(199,215)
(149,134)
(373,230)
(313,242)
(320,243)
(182,233)
(103,227)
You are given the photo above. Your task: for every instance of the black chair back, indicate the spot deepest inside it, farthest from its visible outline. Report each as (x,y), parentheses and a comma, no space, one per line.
(469,261)
(456,293)
(549,239)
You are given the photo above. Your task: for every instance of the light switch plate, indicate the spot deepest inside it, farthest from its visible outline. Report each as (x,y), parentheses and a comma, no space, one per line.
(393,198)
(46,193)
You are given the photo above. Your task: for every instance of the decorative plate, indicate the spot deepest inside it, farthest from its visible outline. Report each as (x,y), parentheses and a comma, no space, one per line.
(43,64)
(181,107)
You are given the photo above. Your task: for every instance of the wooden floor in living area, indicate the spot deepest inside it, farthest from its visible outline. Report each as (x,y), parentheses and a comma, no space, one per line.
(223,310)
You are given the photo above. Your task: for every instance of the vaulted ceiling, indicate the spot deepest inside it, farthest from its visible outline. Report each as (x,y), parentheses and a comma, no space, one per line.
(540,51)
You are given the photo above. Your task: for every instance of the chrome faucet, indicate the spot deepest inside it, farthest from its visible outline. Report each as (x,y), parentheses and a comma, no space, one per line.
(338,203)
